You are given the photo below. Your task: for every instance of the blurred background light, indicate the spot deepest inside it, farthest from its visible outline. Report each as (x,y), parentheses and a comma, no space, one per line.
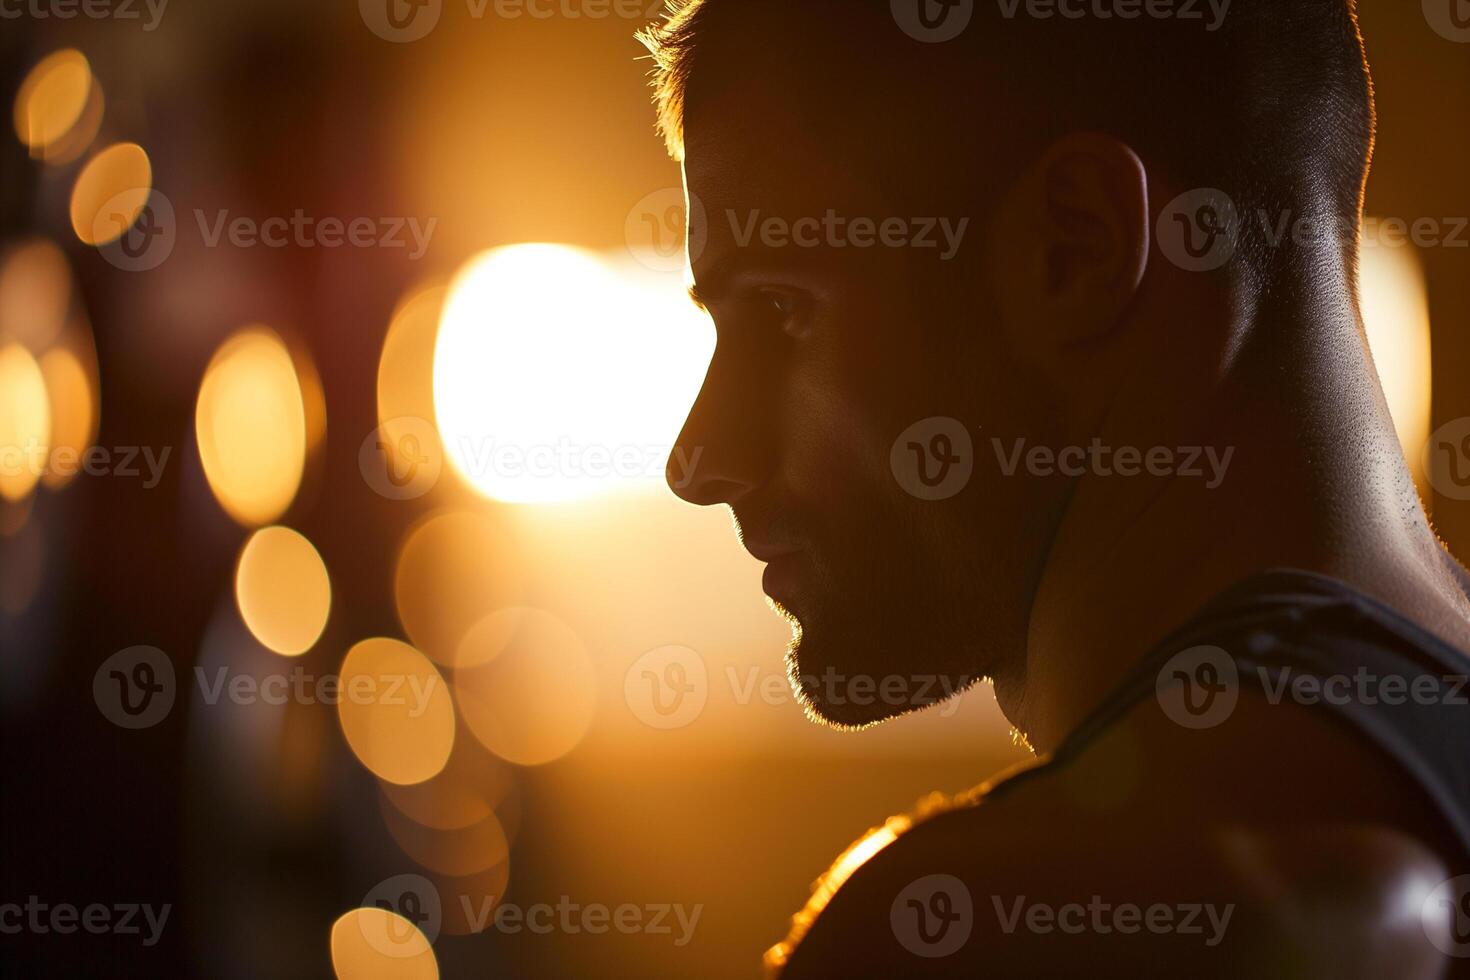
(525,685)
(74,415)
(455,852)
(376,944)
(35,294)
(453,569)
(406,370)
(110,193)
(52,99)
(404,732)
(250,422)
(25,422)
(1395,306)
(282,588)
(552,382)
(467,790)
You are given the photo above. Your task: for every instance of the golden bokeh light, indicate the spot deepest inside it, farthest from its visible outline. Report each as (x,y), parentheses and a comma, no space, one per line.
(376,944)
(525,685)
(555,380)
(457,852)
(73,414)
(25,422)
(35,294)
(250,422)
(110,193)
(395,710)
(52,99)
(406,370)
(79,137)
(453,569)
(283,591)
(467,790)
(1395,304)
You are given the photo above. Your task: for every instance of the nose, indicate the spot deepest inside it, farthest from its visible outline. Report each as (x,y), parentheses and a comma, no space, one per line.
(724,450)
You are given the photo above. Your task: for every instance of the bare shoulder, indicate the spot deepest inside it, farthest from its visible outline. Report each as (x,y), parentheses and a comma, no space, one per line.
(1146,856)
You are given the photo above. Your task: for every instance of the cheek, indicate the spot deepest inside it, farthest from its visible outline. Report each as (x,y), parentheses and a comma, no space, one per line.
(848,399)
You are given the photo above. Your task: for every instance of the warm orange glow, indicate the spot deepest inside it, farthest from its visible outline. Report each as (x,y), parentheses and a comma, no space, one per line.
(406,370)
(73,414)
(525,685)
(458,852)
(283,590)
(376,944)
(52,99)
(859,853)
(469,901)
(35,294)
(77,139)
(557,377)
(395,711)
(453,569)
(251,425)
(110,193)
(25,422)
(1395,306)
(469,788)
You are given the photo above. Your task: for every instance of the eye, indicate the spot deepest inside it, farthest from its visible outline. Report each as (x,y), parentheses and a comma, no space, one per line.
(788,309)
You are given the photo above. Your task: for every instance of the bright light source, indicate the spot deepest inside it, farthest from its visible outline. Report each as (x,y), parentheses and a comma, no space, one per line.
(559,377)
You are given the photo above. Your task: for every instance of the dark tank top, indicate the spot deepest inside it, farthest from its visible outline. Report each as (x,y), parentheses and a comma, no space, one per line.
(1310,640)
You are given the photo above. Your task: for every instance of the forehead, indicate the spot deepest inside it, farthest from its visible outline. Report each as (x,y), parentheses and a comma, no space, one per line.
(749,141)
(749,156)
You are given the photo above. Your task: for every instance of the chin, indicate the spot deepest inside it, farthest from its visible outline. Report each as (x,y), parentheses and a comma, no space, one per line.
(824,689)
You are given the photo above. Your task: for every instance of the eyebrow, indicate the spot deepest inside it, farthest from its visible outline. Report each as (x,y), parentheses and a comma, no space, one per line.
(723,271)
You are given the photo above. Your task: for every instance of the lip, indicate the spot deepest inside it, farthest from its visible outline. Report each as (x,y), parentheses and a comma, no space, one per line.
(782,576)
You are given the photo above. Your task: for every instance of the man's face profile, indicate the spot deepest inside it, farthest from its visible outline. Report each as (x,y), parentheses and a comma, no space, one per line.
(843,413)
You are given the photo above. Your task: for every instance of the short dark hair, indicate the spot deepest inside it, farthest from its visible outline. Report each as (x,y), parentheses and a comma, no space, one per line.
(1274,106)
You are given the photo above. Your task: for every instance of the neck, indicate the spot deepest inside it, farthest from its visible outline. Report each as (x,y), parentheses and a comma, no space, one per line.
(1315,480)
